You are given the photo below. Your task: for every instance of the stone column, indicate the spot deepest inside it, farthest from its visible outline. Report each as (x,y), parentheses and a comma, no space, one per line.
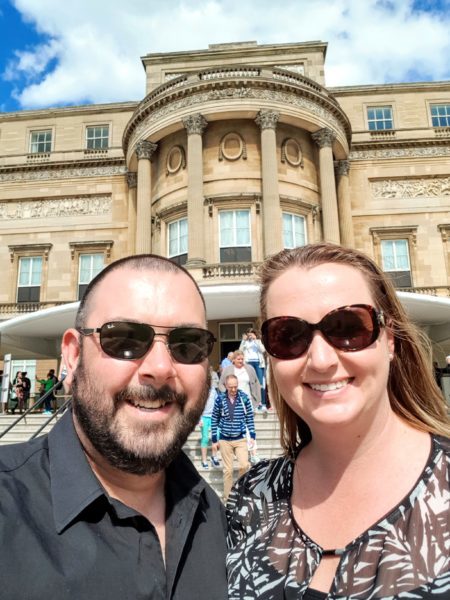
(267,121)
(144,152)
(132,188)
(330,218)
(195,125)
(344,204)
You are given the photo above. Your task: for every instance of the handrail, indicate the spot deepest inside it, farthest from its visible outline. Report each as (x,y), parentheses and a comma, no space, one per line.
(37,404)
(60,410)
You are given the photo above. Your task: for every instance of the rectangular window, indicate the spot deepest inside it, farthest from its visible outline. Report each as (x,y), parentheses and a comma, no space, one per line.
(178,241)
(294,230)
(396,263)
(29,282)
(97,137)
(89,266)
(440,115)
(41,141)
(379,118)
(235,241)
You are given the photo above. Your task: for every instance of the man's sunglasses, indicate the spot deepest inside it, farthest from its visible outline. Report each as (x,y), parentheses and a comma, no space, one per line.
(348,328)
(126,340)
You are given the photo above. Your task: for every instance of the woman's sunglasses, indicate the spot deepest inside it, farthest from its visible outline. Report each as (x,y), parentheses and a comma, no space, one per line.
(127,340)
(348,328)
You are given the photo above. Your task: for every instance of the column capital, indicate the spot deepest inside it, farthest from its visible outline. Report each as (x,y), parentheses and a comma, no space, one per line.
(342,167)
(132,179)
(195,124)
(145,149)
(267,119)
(324,137)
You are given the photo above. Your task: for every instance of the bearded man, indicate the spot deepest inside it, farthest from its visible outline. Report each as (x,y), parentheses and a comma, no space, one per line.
(107,505)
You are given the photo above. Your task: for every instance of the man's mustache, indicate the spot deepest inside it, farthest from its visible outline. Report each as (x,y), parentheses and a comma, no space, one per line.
(149,392)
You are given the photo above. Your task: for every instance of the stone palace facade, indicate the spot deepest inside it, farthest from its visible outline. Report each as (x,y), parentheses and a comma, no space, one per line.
(234,153)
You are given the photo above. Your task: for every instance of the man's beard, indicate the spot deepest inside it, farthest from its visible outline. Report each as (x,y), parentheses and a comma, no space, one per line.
(150,447)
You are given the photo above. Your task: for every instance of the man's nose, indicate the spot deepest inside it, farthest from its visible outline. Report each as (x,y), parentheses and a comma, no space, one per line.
(157,364)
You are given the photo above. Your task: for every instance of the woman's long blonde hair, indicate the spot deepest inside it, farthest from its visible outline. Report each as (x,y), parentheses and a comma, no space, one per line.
(413,392)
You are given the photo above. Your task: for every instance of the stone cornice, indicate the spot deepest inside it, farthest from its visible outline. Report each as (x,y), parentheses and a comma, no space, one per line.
(218,51)
(370,90)
(227,82)
(50,113)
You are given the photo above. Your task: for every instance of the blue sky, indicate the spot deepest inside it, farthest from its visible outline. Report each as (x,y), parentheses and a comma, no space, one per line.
(54,53)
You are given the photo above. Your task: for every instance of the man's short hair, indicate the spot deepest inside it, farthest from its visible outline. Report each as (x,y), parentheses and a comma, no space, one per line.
(138,262)
(230,376)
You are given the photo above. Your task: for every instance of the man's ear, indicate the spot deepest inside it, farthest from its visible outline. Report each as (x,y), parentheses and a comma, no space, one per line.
(70,349)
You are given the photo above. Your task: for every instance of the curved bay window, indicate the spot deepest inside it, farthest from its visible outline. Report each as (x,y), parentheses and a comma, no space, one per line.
(235,239)
(178,241)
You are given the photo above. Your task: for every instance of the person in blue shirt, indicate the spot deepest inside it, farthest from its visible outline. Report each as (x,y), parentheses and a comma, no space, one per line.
(233,416)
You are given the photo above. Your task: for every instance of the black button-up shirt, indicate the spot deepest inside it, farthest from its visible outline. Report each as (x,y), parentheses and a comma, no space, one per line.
(63,537)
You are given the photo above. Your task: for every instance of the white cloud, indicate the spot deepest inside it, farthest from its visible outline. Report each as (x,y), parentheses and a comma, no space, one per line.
(98,44)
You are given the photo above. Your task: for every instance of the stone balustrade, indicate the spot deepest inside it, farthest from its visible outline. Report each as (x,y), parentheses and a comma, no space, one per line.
(230,270)
(14,309)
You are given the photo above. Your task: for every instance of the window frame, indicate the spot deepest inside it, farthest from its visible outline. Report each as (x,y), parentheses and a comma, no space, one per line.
(86,283)
(19,251)
(179,257)
(89,247)
(87,139)
(376,120)
(234,229)
(32,132)
(29,286)
(403,232)
(305,228)
(446,116)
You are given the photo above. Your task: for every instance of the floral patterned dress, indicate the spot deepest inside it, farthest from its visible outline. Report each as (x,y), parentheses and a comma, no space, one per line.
(406,555)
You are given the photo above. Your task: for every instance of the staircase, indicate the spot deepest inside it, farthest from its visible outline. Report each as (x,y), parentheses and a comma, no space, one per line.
(267,437)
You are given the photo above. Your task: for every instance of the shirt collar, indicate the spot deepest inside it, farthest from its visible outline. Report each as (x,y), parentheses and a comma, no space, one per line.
(74,485)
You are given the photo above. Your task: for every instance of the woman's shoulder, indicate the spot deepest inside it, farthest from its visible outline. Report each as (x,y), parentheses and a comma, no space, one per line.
(443,443)
(270,478)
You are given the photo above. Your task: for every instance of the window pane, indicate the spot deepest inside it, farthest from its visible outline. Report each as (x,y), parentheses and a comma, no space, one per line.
(41,141)
(226,227)
(234,228)
(395,255)
(227,331)
(379,118)
(89,266)
(440,115)
(178,238)
(36,270)
(242,227)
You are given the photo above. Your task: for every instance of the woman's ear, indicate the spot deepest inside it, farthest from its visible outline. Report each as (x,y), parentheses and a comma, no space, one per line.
(70,348)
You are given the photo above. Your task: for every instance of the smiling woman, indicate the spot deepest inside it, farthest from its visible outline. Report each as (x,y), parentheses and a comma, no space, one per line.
(360,412)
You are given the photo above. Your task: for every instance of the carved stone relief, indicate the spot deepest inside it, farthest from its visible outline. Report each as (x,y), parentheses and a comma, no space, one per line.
(232,147)
(176,160)
(267,119)
(195,124)
(291,153)
(60,207)
(237,93)
(413,152)
(427,187)
(64,173)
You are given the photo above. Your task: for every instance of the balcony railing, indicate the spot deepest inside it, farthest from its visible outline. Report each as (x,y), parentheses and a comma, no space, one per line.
(14,309)
(231,270)
(440,290)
